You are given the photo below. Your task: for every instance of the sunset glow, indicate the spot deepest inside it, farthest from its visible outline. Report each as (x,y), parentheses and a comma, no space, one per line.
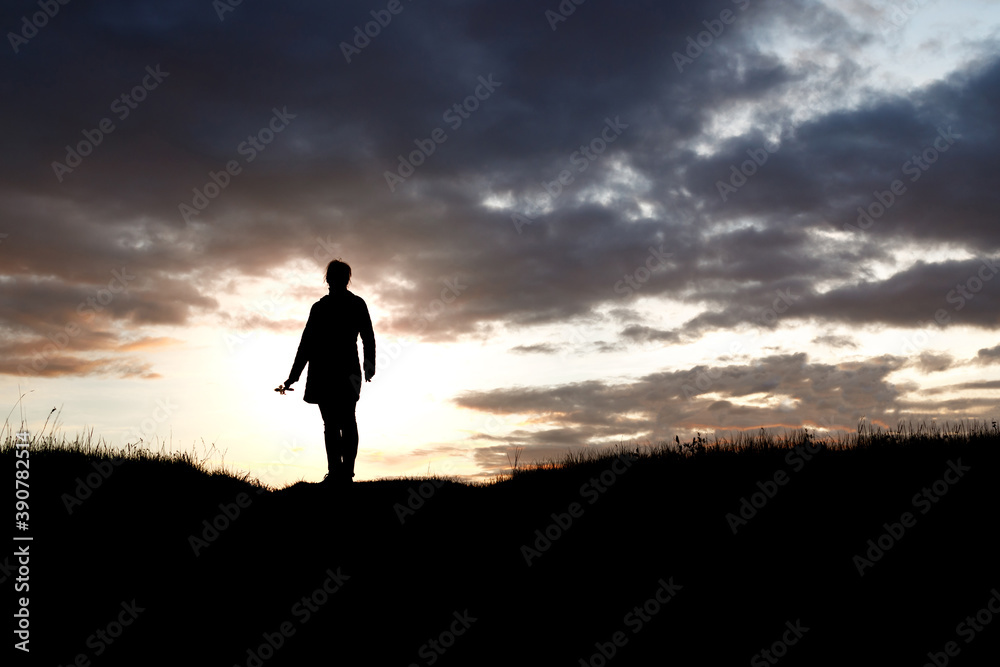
(793,224)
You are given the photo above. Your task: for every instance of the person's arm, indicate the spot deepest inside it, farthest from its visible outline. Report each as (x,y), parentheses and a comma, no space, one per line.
(305,350)
(368,340)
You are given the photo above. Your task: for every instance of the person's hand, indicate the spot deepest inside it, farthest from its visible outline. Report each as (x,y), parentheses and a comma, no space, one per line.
(286,386)
(369,374)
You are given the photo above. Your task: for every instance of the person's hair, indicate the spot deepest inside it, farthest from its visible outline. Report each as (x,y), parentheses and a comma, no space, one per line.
(338,274)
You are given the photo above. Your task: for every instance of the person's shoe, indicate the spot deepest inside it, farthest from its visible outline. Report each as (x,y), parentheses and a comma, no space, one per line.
(334,478)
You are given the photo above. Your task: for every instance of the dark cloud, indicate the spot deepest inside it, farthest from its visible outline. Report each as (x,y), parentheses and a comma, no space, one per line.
(987,384)
(639,333)
(48,327)
(929,362)
(925,295)
(988,355)
(835,341)
(536,348)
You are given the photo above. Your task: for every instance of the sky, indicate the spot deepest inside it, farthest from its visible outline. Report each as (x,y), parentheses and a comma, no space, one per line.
(575,224)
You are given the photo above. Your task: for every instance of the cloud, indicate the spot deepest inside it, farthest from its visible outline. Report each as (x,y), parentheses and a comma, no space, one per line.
(49,327)
(929,362)
(986,384)
(835,341)
(53,364)
(787,391)
(989,355)
(536,348)
(939,294)
(645,334)
(150,343)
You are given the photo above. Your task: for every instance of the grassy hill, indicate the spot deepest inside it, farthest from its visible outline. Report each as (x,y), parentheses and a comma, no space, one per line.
(627,558)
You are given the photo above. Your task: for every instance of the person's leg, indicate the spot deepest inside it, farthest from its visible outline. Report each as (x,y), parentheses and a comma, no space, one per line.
(332,438)
(349,439)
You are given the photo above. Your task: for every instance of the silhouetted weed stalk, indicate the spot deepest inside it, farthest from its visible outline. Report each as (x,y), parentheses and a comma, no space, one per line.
(516,461)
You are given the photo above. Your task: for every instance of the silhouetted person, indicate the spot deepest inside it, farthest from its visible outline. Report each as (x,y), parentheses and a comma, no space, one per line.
(330,346)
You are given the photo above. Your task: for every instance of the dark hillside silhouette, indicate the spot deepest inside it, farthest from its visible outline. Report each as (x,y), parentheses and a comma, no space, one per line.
(630,556)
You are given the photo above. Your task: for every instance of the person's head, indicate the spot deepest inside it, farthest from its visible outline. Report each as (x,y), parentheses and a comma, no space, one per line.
(338,274)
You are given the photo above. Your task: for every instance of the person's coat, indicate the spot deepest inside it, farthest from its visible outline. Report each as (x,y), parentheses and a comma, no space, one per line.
(330,346)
